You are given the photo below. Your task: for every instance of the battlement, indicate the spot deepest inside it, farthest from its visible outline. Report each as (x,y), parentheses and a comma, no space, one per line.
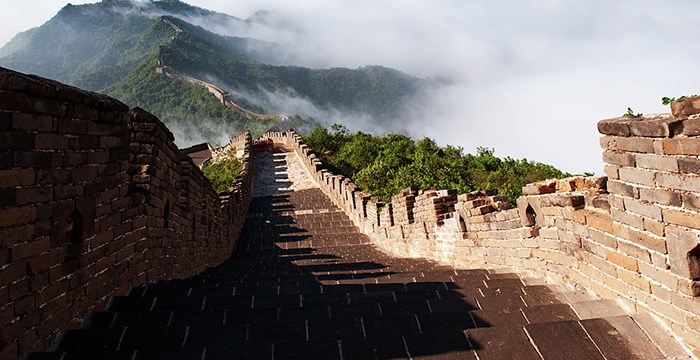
(96,198)
(633,235)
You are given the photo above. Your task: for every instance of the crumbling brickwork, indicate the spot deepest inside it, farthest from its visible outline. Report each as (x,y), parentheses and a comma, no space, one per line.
(94,199)
(633,235)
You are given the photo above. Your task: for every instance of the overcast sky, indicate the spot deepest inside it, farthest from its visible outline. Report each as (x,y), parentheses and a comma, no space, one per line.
(531,78)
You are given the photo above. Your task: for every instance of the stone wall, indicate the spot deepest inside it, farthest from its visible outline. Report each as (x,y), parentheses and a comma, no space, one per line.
(94,199)
(633,235)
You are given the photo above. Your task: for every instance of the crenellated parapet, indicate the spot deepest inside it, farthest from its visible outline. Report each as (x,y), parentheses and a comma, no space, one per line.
(633,235)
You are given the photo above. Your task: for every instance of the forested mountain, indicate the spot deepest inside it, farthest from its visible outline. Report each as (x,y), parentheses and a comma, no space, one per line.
(115,47)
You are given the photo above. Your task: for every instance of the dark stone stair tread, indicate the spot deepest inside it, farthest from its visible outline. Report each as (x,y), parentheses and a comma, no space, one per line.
(396,325)
(498,317)
(449,321)
(381,347)
(502,343)
(150,337)
(621,338)
(90,340)
(549,313)
(219,335)
(228,352)
(354,310)
(106,355)
(439,345)
(562,340)
(136,318)
(335,329)
(328,349)
(405,308)
(268,333)
(187,353)
(128,303)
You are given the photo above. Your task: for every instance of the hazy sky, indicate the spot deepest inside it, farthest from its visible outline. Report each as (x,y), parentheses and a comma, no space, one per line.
(531,78)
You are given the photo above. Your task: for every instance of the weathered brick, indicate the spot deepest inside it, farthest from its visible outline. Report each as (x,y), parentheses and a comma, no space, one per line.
(51,141)
(602,222)
(17,177)
(623,260)
(17,216)
(616,127)
(47,260)
(642,208)
(655,227)
(682,218)
(660,196)
(689,127)
(678,181)
(689,165)
(626,218)
(657,162)
(634,279)
(681,146)
(618,158)
(653,127)
(33,122)
(620,188)
(33,195)
(680,241)
(637,176)
(30,249)
(631,144)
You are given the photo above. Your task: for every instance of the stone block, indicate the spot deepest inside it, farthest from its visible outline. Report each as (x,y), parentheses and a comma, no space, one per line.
(612,171)
(660,196)
(689,127)
(627,144)
(681,146)
(637,176)
(642,208)
(683,108)
(682,218)
(689,165)
(623,260)
(680,241)
(616,127)
(678,181)
(657,162)
(660,126)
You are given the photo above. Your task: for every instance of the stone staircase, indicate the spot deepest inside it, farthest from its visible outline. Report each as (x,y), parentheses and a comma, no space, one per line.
(305,284)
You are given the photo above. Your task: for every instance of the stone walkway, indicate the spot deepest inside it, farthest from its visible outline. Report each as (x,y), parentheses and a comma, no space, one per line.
(305,284)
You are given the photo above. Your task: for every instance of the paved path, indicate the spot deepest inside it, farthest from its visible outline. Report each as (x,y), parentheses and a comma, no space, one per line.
(305,284)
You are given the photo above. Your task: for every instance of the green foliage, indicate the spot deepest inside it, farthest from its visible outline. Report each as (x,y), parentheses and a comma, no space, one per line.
(666,100)
(383,166)
(222,173)
(630,113)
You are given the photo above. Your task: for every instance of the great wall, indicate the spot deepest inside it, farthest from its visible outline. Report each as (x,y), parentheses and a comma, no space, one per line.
(114,244)
(223,96)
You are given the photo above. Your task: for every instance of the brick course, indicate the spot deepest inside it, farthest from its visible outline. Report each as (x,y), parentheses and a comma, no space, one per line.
(81,167)
(630,243)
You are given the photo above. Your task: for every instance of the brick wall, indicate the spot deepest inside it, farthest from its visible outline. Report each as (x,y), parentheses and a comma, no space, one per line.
(94,199)
(633,235)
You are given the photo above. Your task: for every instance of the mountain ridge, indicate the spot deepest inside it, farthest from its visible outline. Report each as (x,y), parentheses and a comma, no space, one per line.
(116,46)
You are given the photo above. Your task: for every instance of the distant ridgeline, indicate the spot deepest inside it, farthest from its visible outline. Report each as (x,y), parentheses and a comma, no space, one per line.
(114,47)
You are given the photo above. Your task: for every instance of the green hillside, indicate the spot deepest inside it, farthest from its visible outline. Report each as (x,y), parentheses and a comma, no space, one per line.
(115,46)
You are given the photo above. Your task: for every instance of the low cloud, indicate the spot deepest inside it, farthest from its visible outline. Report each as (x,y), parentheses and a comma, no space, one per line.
(529,79)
